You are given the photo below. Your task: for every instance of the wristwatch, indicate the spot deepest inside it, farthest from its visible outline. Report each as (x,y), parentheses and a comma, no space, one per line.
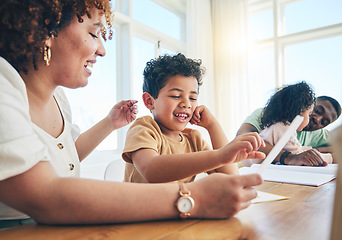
(185,203)
(283,156)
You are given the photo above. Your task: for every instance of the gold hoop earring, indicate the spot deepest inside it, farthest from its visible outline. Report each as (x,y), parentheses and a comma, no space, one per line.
(47,55)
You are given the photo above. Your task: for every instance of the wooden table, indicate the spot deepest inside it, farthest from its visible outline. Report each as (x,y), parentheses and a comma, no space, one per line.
(306,214)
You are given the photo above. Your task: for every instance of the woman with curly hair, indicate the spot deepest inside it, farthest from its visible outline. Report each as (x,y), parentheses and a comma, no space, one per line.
(281,109)
(45,44)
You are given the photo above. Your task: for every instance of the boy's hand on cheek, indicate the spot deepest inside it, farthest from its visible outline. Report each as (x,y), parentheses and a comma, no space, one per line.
(202,116)
(196,116)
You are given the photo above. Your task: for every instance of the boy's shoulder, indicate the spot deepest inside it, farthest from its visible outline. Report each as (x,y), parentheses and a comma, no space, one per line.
(143,125)
(194,136)
(145,120)
(189,130)
(191,133)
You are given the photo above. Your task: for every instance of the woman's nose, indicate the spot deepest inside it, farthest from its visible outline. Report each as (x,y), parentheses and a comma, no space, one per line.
(101,51)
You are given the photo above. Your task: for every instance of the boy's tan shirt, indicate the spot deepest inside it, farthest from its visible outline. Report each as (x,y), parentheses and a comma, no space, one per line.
(145,133)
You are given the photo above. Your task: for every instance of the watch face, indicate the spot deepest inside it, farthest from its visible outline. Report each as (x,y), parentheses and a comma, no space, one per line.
(184,205)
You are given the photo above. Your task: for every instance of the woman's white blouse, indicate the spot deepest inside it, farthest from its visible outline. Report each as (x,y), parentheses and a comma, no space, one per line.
(22,143)
(62,153)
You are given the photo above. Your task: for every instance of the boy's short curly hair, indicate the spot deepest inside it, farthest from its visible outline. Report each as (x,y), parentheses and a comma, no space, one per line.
(158,71)
(26,25)
(288,102)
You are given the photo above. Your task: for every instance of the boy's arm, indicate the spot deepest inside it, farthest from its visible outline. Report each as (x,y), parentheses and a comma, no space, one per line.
(157,168)
(172,167)
(219,140)
(202,117)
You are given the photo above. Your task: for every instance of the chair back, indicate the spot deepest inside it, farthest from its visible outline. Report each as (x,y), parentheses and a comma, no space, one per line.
(115,171)
(336,229)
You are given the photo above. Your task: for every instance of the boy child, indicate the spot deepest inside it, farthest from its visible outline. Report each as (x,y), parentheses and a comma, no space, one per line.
(162,149)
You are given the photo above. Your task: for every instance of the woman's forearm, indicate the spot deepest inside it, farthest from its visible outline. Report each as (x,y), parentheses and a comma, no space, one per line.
(81,201)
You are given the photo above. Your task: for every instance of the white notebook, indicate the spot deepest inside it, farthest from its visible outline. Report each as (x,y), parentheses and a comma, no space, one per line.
(303,175)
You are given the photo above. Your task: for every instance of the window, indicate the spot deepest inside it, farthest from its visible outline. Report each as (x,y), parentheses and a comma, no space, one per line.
(322,71)
(291,41)
(156,16)
(143,51)
(311,14)
(261,76)
(260,25)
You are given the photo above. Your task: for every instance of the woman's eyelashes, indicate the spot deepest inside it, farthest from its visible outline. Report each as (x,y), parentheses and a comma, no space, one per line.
(93,35)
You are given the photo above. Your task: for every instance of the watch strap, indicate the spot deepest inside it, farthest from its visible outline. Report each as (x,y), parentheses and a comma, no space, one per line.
(184,193)
(283,156)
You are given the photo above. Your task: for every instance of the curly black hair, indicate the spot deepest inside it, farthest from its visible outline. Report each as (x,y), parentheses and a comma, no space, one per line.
(158,71)
(288,102)
(26,25)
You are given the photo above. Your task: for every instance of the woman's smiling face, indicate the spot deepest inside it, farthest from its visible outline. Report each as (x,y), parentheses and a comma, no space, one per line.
(75,49)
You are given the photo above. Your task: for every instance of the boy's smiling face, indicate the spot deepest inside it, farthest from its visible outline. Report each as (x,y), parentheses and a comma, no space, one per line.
(175,104)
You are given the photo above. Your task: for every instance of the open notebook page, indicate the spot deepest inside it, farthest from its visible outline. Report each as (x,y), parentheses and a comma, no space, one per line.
(298,175)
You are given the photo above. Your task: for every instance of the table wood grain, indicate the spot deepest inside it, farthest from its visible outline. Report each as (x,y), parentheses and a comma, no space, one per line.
(306,214)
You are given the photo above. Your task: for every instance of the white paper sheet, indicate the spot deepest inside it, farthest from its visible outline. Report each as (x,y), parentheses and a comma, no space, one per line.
(267,197)
(312,176)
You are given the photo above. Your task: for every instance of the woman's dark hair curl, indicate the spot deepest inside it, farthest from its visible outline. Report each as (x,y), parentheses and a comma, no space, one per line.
(288,102)
(158,71)
(25,25)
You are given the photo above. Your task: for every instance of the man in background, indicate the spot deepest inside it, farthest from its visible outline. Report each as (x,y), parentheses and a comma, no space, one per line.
(326,111)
